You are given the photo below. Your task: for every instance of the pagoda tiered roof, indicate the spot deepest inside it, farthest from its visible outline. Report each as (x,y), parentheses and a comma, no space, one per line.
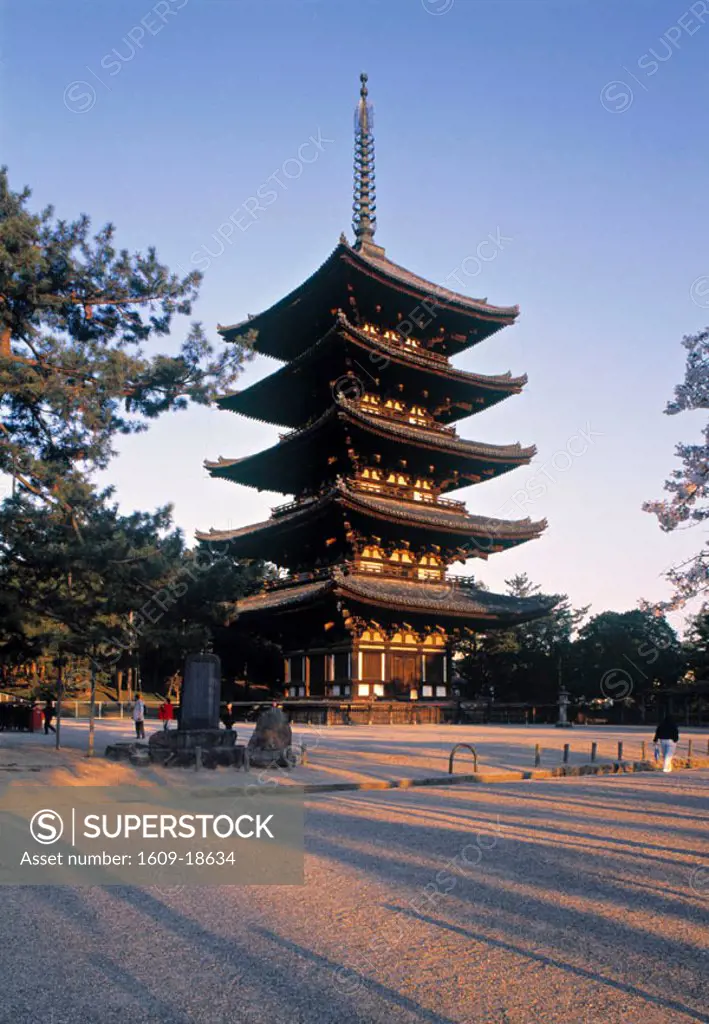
(303,387)
(446,603)
(364,281)
(307,525)
(303,459)
(370,396)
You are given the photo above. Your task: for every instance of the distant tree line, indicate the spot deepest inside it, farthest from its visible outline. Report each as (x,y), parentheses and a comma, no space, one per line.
(612,656)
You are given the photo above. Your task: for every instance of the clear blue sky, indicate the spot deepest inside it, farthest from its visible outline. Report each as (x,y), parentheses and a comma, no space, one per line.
(489,116)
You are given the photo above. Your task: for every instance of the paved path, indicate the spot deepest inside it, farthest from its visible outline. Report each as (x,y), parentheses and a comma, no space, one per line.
(578,901)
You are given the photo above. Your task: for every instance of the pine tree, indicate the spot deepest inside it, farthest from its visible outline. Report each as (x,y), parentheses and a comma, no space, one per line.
(77,318)
(77,321)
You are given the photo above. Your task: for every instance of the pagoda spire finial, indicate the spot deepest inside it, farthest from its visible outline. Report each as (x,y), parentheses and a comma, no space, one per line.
(364,220)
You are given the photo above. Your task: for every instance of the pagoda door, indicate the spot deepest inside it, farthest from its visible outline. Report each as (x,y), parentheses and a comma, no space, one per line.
(404,674)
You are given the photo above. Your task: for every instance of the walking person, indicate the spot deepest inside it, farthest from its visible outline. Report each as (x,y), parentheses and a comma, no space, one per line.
(139,717)
(667,735)
(48,713)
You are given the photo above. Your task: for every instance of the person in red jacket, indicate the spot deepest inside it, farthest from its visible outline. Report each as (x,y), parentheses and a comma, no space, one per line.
(166,714)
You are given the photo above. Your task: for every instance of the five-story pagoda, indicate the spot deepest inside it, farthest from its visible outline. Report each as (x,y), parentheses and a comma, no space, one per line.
(364,607)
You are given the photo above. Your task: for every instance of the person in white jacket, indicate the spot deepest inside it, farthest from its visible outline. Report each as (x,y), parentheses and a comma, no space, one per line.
(139,717)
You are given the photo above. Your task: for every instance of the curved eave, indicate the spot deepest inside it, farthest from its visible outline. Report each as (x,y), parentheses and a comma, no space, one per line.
(396,276)
(479,535)
(463,525)
(233,331)
(284,598)
(268,400)
(280,468)
(433,440)
(469,320)
(441,603)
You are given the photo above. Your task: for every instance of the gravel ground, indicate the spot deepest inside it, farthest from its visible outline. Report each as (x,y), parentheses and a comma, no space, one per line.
(577,901)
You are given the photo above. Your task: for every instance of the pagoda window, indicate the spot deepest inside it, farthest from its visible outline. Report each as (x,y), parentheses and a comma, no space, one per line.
(369,399)
(378,689)
(401,556)
(426,691)
(363,689)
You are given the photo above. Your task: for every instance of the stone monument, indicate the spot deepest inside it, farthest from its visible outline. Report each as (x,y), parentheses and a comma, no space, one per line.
(198,725)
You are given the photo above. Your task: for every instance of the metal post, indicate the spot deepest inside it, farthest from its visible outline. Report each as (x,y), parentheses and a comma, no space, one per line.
(537,755)
(60,690)
(642,751)
(566,753)
(594,752)
(620,751)
(689,752)
(92,710)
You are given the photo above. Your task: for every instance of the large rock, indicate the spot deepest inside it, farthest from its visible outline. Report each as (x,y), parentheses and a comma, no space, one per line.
(271,740)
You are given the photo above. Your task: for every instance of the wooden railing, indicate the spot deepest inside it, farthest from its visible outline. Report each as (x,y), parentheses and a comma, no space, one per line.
(382,489)
(409,419)
(398,340)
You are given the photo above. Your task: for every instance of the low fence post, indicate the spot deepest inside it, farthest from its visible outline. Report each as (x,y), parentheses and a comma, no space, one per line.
(642,751)
(689,752)
(537,755)
(620,751)
(121,709)
(566,752)
(594,752)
